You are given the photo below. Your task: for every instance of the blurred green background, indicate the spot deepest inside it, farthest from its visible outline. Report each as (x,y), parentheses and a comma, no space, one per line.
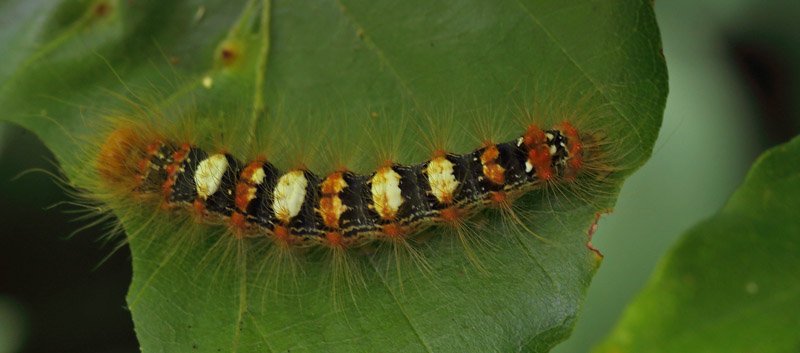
(733,84)
(733,77)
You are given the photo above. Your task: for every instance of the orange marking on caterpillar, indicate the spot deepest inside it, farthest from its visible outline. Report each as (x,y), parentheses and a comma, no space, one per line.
(575,149)
(539,152)
(335,239)
(179,155)
(199,207)
(330,205)
(240,224)
(328,216)
(250,170)
(452,215)
(493,171)
(534,136)
(282,235)
(333,184)
(172,169)
(246,188)
(153,147)
(166,188)
(244,194)
(393,230)
(498,197)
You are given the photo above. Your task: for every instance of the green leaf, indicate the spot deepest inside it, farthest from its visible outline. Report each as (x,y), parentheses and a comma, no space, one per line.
(308,72)
(729,285)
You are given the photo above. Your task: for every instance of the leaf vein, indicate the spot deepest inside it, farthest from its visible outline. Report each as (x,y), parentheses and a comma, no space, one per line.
(402,309)
(374,47)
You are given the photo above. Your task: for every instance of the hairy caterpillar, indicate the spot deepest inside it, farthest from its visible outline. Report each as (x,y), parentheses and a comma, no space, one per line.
(342,209)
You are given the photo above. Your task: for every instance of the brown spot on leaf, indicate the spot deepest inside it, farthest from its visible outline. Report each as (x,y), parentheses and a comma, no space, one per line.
(101,9)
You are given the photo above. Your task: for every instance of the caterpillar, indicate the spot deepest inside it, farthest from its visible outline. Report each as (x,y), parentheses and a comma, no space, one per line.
(344,209)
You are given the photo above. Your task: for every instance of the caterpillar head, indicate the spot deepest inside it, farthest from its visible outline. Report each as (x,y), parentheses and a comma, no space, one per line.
(116,161)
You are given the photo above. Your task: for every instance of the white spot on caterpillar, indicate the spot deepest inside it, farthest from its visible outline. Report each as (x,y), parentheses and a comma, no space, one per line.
(209,175)
(386,193)
(441,179)
(553,150)
(549,136)
(528,166)
(258,177)
(289,195)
